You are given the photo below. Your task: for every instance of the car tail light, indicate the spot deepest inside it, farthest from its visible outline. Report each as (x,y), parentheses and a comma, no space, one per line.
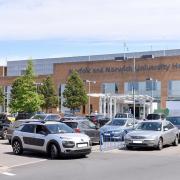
(77,130)
(94,119)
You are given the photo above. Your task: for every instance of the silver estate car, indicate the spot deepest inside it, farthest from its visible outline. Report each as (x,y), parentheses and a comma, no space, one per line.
(152,133)
(54,138)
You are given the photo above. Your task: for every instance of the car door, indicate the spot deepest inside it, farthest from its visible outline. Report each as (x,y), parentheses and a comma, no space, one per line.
(39,137)
(172,132)
(90,129)
(166,133)
(27,134)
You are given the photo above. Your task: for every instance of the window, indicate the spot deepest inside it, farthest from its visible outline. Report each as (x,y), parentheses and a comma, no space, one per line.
(110,88)
(151,85)
(174,88)
(29,128)
(133,84)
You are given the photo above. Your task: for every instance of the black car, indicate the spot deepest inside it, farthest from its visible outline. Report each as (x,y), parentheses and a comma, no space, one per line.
(5,121)
(98,119)
(85,126)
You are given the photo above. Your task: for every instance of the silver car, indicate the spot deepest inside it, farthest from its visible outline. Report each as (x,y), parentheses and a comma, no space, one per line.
(53,138)
(152,133)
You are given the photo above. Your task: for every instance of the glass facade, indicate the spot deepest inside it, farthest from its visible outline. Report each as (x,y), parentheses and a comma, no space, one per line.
(151,88)
(174,89)
(110,88)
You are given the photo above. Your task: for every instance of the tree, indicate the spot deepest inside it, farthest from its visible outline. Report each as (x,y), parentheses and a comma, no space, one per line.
(24,96)
(74,93)
(1,96)
(49,93)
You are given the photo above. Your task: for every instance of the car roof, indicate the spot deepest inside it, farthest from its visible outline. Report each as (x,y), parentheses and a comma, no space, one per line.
(42,123)
(159,120)
(76,120)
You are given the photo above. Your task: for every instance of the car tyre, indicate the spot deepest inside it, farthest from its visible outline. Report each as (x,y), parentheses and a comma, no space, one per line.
(160,144)
(176,141)
(129,147)
(53,151)
(17,147)
(4,135)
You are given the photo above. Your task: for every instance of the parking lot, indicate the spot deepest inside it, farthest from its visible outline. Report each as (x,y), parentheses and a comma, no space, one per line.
(114,164)
(9,161)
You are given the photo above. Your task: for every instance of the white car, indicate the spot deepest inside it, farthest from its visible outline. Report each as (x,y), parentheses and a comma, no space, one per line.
(53,138)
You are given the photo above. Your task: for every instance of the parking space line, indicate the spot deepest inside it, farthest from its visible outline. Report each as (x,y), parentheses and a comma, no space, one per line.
(8,174)
(28,163)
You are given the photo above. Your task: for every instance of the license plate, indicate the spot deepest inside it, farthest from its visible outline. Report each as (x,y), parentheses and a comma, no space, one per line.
(82,145)
(137,142)
(107,134)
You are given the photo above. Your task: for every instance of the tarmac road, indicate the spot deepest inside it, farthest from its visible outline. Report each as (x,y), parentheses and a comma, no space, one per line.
(112,165)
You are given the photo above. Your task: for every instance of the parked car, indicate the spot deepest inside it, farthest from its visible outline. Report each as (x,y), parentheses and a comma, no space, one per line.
(47,117)
(54,138)
(67,118)
(24,115)
(124,115)
(5,121)
(116,129)
(98,119)
(155,116)
(175,120)
(16,124)
(86,127)
(152,133)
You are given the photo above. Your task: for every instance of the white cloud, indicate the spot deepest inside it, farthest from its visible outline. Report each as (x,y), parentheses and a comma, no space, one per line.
(92,19)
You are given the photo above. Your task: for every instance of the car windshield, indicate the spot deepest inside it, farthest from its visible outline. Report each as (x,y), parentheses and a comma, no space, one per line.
(117,122)
(149,126)
(153,116)
(174,120)
(59,128)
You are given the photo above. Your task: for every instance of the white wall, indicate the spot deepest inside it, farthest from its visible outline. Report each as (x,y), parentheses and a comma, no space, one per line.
(174,107)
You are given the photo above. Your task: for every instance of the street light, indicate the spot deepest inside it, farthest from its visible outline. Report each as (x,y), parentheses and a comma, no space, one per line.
(89,91)
(152,87)
(37,84)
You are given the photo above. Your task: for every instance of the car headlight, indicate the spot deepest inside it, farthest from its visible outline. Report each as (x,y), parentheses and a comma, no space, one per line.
(68,144)
(127,136)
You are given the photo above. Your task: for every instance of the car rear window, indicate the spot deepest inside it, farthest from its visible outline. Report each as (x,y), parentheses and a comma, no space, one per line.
(153,116)
(121,116)
(73,125)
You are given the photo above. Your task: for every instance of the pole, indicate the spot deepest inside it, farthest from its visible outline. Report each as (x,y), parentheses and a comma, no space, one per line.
(134,103)
(89,97)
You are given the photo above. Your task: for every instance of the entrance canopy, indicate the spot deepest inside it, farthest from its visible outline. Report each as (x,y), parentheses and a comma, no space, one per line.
(110,104)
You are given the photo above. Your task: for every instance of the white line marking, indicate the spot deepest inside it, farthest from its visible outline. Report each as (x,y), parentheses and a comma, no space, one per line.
(8,174)
(24,164)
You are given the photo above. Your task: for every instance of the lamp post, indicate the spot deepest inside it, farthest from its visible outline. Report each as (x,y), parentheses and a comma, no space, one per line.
(133,88)
(37,84)
(152,88)
(89,91)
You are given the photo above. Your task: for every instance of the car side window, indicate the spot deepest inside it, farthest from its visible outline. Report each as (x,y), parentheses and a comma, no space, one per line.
(170,126)
(29,128)
(40,129)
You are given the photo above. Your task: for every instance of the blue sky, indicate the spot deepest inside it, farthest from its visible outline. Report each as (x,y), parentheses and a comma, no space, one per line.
(59,28)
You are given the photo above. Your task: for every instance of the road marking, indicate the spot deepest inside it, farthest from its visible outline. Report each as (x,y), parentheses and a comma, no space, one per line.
(28,163)
(8,174)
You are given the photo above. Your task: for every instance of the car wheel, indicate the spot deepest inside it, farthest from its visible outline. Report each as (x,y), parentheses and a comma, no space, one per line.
(53,151)
(4,135)
(176,141)
(129,147)
(17,147)
(160,144)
